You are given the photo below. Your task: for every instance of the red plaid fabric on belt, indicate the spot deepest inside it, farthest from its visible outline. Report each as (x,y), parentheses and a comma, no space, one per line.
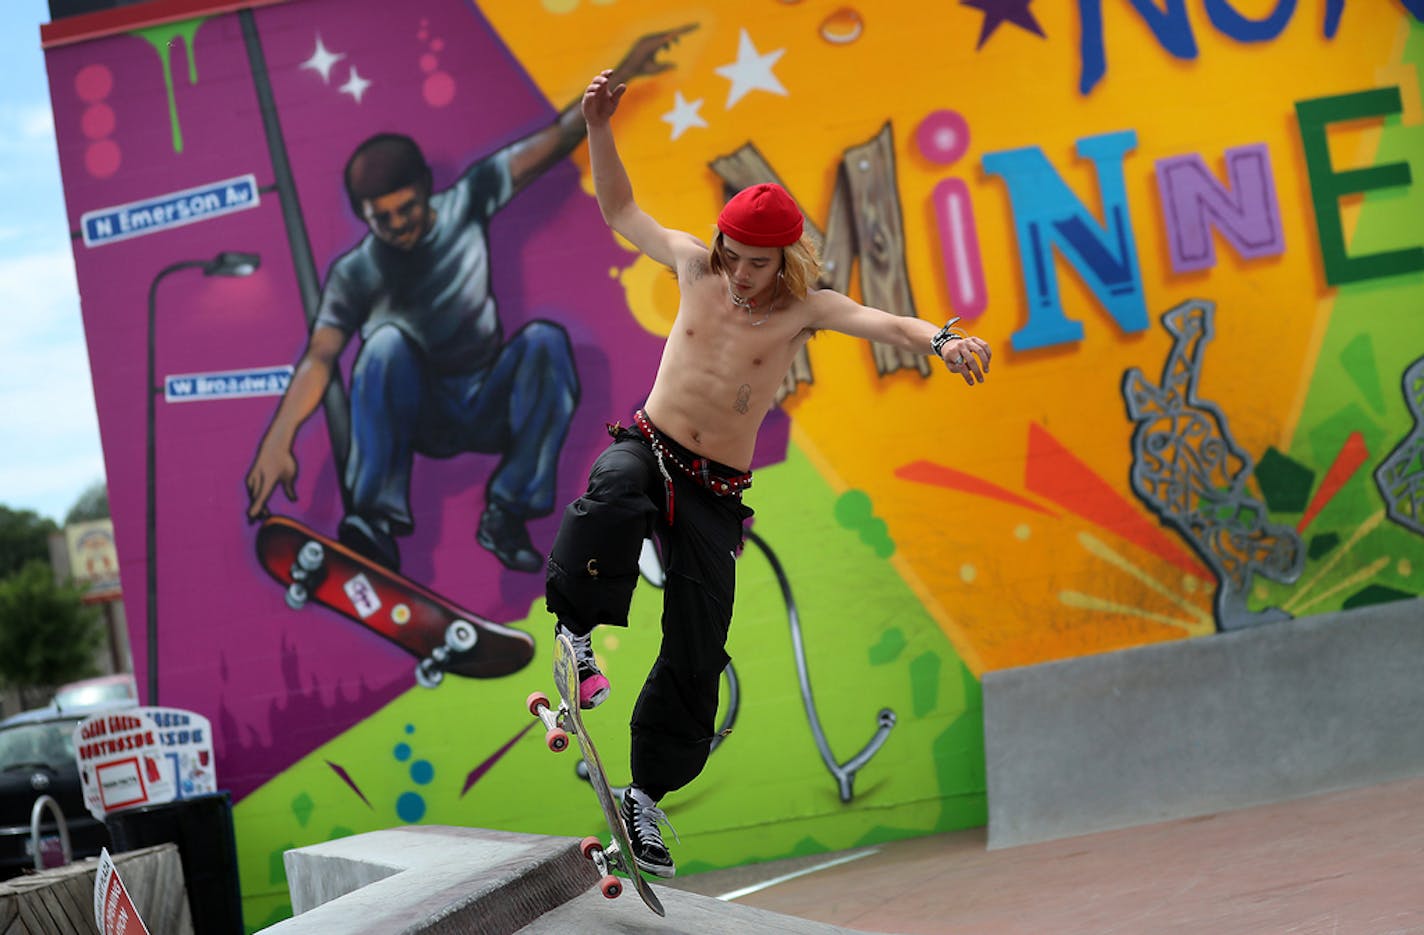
(701,470)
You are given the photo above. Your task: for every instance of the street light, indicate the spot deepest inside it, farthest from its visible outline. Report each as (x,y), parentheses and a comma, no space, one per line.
(227,263)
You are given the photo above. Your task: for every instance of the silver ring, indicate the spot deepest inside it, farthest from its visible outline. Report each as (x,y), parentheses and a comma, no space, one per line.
(958,360)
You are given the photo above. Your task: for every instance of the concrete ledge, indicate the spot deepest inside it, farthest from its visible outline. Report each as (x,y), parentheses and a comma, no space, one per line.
(1198,726)
(431,879)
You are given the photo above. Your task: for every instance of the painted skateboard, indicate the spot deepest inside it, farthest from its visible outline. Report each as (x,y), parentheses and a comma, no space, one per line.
(567,720)
(442,636)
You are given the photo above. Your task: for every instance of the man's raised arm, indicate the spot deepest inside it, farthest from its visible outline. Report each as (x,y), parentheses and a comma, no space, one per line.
(274,464)
(531,156)
(611,183)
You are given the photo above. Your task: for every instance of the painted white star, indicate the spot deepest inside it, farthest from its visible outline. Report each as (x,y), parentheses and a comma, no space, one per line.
(684,115)
(322,59)
(355,85)
(751,71)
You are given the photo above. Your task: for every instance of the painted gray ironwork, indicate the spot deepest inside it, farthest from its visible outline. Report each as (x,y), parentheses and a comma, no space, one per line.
(1400,476)
(1188,470)
(844,773)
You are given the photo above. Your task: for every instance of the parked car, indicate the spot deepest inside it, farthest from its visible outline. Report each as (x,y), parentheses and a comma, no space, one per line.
(37,758)
(98,692)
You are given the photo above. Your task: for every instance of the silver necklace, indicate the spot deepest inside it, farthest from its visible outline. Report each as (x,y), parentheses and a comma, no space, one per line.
(747,305)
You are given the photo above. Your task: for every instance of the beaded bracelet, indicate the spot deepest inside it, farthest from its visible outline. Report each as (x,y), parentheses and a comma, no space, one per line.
(945,335)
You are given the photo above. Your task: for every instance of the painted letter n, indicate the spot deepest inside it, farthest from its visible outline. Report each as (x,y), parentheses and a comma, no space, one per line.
(1047,214)
(1194,203)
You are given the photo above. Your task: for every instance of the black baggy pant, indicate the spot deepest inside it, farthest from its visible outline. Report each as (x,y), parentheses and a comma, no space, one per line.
(593,568)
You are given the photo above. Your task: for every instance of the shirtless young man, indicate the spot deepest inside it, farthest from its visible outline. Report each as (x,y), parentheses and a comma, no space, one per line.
(748,304)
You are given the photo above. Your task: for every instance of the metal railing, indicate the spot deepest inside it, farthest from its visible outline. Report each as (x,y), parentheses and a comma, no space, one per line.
(41,803)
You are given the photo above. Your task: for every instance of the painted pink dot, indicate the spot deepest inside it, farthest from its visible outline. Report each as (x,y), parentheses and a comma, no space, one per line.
(423,34)
(439,89)
(98,121)
(429,63)
(102,158)
(93,83)
(437,45)
(943,136)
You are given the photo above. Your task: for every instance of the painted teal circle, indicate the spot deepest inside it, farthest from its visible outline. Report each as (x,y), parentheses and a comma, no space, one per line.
(410,728)
(402,751)
(410,807)
(421,772)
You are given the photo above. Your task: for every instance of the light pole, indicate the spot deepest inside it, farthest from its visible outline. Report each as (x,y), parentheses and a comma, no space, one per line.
(227,263)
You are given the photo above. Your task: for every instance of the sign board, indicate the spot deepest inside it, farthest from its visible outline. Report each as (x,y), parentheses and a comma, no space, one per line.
(114,910)
(121,762)
(93,560)
(185,743)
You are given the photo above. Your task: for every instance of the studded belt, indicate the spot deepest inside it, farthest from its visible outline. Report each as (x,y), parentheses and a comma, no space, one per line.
(707,474)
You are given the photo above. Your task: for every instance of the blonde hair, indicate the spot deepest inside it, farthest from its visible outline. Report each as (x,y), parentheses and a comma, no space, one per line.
(800,264)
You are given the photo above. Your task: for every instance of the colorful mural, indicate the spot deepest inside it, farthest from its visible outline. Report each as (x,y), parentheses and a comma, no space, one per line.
(1189,230)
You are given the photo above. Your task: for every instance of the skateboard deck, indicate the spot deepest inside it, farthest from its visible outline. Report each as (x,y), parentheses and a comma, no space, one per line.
(441,635)
(568,719)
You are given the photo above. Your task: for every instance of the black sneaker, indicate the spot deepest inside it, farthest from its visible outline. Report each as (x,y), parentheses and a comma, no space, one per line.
(504,534)
(370,538)
(593,684)
(642,816)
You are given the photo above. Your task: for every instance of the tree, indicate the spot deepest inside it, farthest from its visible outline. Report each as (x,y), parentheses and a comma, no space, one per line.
(24,537)
(48,635)
(92,504)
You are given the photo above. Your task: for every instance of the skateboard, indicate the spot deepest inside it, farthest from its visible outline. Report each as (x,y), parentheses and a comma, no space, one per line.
(441,635)
(567,720)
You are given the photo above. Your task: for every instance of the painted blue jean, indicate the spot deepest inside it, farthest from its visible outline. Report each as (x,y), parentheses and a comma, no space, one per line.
(520,407)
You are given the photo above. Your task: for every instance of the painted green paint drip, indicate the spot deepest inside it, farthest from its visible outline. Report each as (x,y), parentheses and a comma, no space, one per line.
(854,511)
(161,38)
(302,808)
(892,643)
(924,676)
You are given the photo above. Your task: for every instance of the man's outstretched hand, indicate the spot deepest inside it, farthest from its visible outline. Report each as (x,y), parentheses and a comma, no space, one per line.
(606,90)
(601,99)
(642,58)
(270,469)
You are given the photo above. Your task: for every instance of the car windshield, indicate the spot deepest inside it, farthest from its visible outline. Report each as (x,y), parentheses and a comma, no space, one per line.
(49,743)
(95,692)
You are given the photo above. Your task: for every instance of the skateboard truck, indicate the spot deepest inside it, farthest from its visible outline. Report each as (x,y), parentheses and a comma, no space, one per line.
(460,637)
(610,886)
(556,737)
(307,573)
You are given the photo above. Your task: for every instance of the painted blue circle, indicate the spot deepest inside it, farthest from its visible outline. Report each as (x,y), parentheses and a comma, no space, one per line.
(410,807)
(402,751)
(421,772)
(410,728)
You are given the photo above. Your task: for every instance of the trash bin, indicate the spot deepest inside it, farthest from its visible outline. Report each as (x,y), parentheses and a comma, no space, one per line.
(201,826)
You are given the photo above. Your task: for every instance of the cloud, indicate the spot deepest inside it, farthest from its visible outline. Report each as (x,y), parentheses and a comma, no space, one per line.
(27,128)
(49,429)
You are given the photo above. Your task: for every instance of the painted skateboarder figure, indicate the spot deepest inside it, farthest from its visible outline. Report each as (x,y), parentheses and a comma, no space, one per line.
(748,303)
(434,374)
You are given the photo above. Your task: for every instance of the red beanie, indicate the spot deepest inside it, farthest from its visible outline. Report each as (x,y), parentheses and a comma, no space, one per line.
(762,216)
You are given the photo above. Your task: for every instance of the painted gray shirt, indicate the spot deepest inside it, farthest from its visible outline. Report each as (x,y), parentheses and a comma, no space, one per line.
(438,293)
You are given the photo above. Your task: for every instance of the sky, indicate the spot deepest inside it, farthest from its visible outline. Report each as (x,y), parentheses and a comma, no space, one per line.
(49,431)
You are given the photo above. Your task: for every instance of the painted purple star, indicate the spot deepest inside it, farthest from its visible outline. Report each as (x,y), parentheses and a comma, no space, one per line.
(997,12)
